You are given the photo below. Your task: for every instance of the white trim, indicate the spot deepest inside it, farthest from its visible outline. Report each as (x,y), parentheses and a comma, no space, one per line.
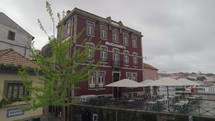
(126,53)
(103,27)
(75,25)
(117,36)
(134,39)
(89,56)
(101,58)
(132,75)
(96,85)
(104,66)
(132,69)
(68,28)
(135,54)
(93,29)
(113,54)
(125,34)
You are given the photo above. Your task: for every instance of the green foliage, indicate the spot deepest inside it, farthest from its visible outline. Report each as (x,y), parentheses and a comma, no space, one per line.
(14,68)
(4,102)
(59,72)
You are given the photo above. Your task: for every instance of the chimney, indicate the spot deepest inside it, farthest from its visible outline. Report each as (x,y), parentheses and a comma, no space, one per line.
(67,12)
(108,18)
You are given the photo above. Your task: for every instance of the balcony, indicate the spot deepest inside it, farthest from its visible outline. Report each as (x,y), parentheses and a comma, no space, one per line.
(101,85)
(116,63)
(91,86)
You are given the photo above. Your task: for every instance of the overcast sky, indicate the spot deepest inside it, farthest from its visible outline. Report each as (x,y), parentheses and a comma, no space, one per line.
(178,34)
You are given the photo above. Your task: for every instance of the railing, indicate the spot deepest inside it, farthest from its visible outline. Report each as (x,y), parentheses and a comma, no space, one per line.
(116,63)
(200,108)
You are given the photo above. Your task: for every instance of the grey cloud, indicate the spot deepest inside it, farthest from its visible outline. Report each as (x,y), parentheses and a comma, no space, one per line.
(178,34)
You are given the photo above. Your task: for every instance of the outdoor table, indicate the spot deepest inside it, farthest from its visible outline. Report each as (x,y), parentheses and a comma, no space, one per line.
(152,105)
(181,106)
(173,99)
(194,99)
(129,103)
(161,104)
(160,96)
(154,97)
(139,100)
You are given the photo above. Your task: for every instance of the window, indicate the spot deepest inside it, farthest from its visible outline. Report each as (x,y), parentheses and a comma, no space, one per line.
(135,60)
(115,35)
(90,28)
(125,39)
(90,47)
(134,41)
(16,91)
(101,78)
(131,75)
(11,35)
(103,53)
(92,80)
(68,28)
(97,79)
(126,57)
(115,56)
(128,75)
(103,32)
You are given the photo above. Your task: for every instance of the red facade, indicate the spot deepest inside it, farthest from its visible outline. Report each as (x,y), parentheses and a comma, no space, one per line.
(110,70)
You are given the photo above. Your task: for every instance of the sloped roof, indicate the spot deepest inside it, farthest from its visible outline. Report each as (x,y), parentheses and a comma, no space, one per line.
(145,65)
(10,57)
(5,20)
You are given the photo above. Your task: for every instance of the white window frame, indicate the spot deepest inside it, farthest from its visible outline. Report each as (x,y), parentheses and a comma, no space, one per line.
(103,54)
(90,46)
(134,41)
(128,75)
(97,79)
(92,80)
(135,58)
(68,25)
(115,35)
(102,77)
(126,57)
(116,56)
(90,28)
(134,76)
(103,32)
(125,38)
(131,75)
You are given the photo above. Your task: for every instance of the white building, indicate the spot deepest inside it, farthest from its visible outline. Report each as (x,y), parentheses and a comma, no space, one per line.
(13,36)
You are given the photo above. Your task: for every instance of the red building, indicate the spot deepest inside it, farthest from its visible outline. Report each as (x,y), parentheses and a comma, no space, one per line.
(120,50)
(150,72)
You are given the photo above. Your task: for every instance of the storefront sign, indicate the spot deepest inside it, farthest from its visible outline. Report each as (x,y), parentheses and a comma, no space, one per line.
(115,45)
(14,112)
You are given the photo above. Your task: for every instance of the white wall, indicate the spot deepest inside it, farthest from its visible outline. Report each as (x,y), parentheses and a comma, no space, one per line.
(17,45)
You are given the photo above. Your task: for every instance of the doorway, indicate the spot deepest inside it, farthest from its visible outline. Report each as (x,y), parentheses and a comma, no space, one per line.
(116,90)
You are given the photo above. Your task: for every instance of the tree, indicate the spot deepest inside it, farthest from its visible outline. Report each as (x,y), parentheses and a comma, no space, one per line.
(59,71)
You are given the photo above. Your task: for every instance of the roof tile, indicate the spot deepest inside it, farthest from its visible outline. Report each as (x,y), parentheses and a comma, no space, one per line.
(10,57)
